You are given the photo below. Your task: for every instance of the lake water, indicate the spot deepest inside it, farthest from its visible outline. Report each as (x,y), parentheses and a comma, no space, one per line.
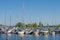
(29,37)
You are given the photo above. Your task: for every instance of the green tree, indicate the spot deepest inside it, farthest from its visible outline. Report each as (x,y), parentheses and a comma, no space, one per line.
(40,24)
(28,25)
(47,25)
(34,24)
(58,25)
(20,24)
(1,25)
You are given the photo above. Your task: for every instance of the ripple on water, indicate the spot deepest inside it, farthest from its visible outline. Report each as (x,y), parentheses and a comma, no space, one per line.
(29,37)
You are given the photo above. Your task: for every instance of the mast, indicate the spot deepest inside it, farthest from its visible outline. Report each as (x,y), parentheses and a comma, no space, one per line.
(5,20)
(23,11)
(30,13)
(10,21)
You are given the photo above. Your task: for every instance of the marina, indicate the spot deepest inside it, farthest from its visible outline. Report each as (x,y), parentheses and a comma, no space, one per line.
(30,31)
(29,20)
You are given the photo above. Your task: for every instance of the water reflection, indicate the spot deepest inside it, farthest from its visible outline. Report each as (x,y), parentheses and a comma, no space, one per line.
(37,35)
(9,35)
(46,37)
(1,37)
(53,37)
(29,37)
(21,35)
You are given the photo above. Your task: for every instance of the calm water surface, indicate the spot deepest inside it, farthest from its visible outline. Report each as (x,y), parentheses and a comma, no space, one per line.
(29,37)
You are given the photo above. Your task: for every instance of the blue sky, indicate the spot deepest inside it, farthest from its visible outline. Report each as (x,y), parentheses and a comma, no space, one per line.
(46,11)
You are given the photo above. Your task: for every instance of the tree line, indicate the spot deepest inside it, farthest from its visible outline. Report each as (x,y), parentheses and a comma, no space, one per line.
(40,24)
(21,24)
